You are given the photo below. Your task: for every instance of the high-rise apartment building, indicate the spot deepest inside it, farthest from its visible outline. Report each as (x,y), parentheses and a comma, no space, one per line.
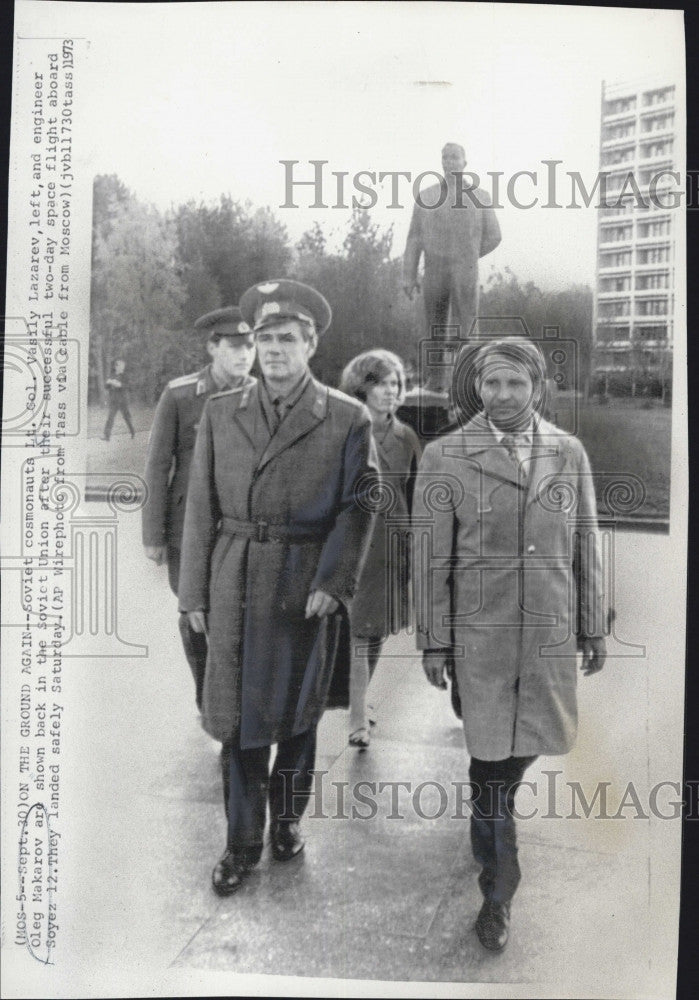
(634,295)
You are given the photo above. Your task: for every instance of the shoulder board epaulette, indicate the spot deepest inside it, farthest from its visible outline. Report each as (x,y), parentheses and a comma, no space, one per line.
(228,392)
(183,380)
(342,397)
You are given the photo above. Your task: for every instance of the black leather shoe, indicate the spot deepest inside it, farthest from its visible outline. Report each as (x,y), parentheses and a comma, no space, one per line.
(286,840)
(492,925)
(227,877)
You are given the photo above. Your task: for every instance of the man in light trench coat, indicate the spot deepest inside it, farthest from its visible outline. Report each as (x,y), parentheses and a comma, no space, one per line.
(275,535)
(509,588)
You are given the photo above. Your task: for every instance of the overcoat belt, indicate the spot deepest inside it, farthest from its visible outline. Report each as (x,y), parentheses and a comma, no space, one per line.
(269,518)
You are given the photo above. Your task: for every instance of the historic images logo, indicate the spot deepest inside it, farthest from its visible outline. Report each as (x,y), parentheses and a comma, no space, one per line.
(547,187)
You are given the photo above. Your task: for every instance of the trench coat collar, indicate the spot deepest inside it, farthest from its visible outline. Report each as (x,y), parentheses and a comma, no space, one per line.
(476,440)
(388,444)
(307,412)
(249,417)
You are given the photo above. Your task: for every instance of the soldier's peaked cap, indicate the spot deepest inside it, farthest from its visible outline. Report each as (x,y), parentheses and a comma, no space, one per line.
(271,301)
(227,322)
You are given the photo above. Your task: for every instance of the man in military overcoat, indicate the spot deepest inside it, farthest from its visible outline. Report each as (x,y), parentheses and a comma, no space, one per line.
(509,587)
(453,226)
(229,341)
(276,531)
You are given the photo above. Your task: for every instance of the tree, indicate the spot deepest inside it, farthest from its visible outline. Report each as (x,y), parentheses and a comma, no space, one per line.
(137,293)
(223,249)
(505,303)
(362,284)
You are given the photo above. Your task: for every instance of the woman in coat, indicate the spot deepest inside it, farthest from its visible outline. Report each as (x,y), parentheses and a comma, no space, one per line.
(381,605)
(510,585)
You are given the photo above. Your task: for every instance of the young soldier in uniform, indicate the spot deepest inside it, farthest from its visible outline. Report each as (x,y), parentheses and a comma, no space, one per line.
(231,348)
(276,531)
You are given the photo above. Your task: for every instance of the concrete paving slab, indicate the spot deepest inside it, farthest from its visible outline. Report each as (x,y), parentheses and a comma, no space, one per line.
(372,898)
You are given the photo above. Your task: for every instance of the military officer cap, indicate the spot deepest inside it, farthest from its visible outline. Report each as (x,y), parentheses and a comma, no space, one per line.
(272,301)
(226,322)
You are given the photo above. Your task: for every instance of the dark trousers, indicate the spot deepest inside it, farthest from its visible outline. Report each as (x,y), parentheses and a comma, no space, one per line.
(118,406)
(248,783)
(194,643)
(447,283)
(493,833)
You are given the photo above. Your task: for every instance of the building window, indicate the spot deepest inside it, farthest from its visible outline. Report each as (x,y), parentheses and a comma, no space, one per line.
(660,228)
(619,105)
(624,209)
(622,284)
(607,309)
(615,259)
(659,96)
(647,281)
(620,131)
(658,123)
(652,307)
(654,149)
(653,255)
(613,156)
(616,234)
(612,334)
(657,332)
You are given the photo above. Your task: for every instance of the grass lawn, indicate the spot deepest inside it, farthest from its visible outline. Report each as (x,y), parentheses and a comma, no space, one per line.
(620,438)
(624,438)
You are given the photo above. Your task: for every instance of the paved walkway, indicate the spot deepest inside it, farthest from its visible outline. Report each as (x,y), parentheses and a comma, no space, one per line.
(375,897)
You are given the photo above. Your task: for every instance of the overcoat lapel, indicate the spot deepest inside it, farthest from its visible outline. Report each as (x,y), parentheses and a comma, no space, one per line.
(249,417)
(302,418)
(547,459)
(390,446)
(481,447)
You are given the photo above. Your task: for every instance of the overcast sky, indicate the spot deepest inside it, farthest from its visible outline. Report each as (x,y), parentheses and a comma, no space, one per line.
(191,100)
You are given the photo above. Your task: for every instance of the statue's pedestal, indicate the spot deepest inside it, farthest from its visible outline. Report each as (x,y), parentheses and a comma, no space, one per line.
(429,413)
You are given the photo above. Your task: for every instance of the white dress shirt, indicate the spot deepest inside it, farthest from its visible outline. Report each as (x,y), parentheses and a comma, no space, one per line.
(524,440)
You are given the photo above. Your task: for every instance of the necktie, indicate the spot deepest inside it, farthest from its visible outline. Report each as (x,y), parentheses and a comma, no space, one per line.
(278,411)
(510,442)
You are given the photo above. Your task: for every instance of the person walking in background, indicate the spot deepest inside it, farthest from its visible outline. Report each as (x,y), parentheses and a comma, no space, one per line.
(231,348)
(382,602)
(505,534)
(117,387)
(276,529)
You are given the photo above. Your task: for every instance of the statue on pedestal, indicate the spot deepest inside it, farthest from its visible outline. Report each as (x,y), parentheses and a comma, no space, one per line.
(453,225)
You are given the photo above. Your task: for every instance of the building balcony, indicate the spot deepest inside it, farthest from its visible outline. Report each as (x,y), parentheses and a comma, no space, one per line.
(616,117)
(656,135)
(623,141)
(667,104)
(614,347)
(654,241)
(644,159)
(606,247)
